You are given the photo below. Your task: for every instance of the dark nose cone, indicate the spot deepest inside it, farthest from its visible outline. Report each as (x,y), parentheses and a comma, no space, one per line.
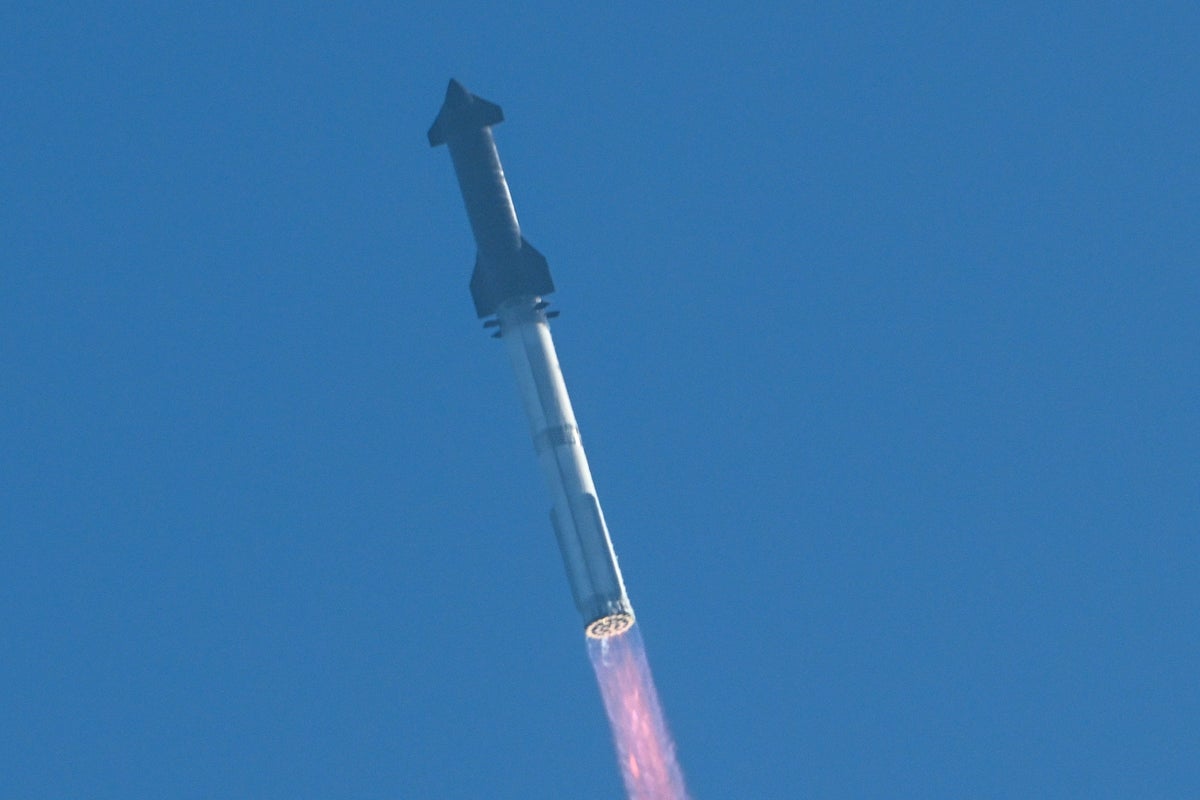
(462,112)
(457,95)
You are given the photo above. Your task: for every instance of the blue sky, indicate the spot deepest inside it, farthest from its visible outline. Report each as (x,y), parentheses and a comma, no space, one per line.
(880,324)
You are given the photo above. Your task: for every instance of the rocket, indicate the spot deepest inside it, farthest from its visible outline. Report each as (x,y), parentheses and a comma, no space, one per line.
(508,285)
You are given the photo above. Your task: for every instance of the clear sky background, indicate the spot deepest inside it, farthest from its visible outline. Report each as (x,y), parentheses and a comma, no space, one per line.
(881,325)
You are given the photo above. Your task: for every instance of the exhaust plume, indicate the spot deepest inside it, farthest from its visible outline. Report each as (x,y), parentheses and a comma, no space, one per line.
(644,747)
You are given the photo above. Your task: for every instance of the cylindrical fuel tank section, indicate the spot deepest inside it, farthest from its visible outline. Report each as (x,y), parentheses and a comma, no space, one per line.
(587,551)
(485,193)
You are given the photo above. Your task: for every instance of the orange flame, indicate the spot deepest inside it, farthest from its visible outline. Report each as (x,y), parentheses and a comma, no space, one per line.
(644,747)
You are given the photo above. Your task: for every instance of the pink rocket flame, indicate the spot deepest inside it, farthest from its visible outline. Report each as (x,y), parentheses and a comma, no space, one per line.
(644,746)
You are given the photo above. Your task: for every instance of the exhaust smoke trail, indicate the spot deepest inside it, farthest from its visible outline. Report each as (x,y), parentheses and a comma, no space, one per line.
(644,746)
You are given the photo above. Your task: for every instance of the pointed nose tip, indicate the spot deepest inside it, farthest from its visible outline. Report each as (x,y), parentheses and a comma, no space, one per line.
(456,94)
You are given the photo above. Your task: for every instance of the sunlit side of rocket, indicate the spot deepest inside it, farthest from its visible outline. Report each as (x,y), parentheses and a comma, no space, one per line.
(509,281)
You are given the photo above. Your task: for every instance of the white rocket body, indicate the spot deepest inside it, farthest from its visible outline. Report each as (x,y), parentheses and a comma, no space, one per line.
(587,551)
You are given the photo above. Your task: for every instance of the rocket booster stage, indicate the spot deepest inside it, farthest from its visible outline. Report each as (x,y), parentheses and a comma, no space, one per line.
(509,281)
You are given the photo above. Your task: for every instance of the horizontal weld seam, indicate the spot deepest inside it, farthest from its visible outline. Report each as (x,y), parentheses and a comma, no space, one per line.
(556,435)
